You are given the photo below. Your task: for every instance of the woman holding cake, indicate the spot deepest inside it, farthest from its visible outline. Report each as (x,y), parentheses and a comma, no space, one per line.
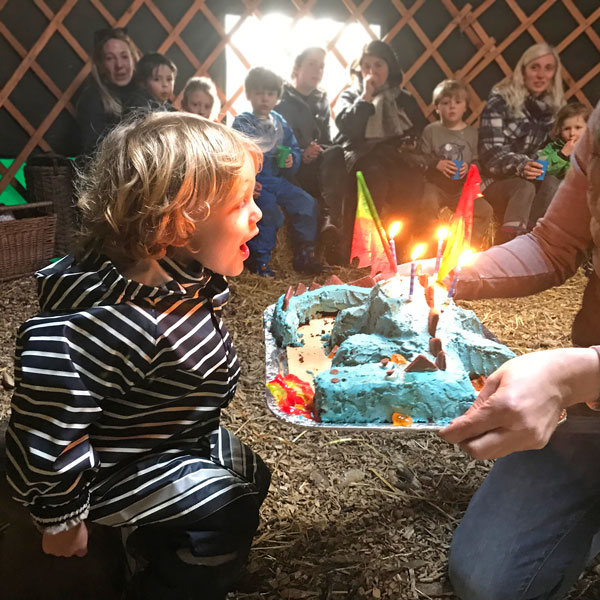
(534,523)
(515,126)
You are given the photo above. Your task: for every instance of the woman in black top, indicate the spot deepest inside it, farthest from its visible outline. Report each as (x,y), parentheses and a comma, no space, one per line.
(379,124)
(101,104)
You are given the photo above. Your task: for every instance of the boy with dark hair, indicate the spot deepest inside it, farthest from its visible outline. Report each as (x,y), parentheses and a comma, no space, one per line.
(155,80)
(451,146)
(275,138)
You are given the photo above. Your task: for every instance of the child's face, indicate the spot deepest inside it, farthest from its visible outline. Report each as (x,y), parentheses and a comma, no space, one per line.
(219,242)
(262,101)
(161,84)
(199,103)
(572,128)
(309,74)
(451,109)
(375,67)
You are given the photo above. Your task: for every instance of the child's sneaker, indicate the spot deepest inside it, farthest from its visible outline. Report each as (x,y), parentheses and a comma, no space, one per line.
(261,269)
(305,261)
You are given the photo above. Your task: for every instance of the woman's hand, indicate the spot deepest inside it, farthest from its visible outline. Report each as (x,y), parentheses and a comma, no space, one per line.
(447,167)
(369,88)
(463,170)
(520,404)
(72,542)
(257,189)
(532,170)
(311,152)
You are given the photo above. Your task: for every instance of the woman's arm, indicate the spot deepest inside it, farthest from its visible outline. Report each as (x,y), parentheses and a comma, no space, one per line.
(521,403)
(352,115)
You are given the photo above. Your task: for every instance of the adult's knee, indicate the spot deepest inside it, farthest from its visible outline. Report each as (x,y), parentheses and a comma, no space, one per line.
(472,580)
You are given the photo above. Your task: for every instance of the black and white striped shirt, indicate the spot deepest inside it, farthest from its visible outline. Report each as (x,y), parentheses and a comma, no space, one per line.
(115,416)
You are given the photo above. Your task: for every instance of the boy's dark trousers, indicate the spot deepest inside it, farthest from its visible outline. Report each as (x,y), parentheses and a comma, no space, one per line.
(200,560)
(278,193)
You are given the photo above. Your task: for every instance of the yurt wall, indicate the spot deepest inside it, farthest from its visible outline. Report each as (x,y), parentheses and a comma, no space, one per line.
(45,47)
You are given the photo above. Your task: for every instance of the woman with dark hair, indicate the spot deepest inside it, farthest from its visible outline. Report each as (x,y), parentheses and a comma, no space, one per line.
(379,124)
(322,172)
(101,104)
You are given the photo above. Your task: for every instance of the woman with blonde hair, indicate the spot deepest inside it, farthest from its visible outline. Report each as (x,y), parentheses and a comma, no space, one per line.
(109,88)
(515,125)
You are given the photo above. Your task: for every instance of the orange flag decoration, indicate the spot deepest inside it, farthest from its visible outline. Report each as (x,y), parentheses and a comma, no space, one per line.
(369,241)
(459,238)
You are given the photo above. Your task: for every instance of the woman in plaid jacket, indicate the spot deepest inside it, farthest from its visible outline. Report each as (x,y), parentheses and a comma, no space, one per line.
(515,125)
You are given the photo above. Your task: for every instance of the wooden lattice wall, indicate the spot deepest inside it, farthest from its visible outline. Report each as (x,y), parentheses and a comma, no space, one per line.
(45,47)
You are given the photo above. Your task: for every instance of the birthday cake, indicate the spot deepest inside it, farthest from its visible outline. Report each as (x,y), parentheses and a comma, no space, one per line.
(386,354)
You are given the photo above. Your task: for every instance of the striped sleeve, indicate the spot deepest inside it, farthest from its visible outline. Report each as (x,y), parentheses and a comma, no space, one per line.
(62,371)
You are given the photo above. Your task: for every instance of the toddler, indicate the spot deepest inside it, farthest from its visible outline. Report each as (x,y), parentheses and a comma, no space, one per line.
(200,98)
(443,142)
(275,192)
(569,125)
(122,376)
(155,79)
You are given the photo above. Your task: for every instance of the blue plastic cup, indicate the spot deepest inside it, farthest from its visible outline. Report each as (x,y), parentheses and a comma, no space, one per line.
(544,164)
(459,164)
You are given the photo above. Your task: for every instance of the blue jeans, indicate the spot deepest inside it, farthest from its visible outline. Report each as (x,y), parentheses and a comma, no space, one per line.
(534,523)
(301,208)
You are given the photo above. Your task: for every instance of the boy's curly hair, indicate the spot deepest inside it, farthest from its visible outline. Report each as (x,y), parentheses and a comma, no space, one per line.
(572,109)
(154,178)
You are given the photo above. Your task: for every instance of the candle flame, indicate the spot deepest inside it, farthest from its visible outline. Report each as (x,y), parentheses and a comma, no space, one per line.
(466,258)
(395,227)
(442,233)
(417,251)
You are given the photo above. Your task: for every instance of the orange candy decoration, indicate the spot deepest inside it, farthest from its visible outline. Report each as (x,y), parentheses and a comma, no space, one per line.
(401,420)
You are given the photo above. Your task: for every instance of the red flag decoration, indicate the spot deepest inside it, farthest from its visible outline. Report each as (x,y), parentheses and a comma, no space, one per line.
(369,241)
(459,238)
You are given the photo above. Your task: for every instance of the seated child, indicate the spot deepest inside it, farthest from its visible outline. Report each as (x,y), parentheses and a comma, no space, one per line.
(271,131)
(155,79)
(122,376)
(567,129)
(200,98)
(445,141)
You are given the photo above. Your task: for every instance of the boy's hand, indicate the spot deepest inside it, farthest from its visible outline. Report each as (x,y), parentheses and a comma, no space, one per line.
(447,167)
(311,152)
(72,542)
(289,161)
(569,146)
(257,189)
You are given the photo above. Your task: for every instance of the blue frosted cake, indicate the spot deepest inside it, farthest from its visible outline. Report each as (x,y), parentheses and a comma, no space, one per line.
(390,354)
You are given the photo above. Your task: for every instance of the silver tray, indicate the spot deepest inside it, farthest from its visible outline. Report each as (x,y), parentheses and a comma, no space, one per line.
(276,362)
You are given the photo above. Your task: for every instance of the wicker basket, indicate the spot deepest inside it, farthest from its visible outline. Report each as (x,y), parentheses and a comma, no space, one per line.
(49,178)
(27,241)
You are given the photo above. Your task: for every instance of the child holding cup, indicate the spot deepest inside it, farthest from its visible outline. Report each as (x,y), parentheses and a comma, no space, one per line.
(451,146)
(281,159)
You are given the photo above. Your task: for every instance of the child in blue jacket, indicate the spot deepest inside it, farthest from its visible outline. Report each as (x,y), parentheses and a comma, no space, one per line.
(271,132)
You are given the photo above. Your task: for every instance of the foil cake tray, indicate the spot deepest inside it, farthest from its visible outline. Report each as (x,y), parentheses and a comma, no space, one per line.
(276,363)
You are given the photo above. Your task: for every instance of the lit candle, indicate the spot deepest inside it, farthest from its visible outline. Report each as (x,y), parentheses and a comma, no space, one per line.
(442,234)
(416,253)
(392,233)
(464,259)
